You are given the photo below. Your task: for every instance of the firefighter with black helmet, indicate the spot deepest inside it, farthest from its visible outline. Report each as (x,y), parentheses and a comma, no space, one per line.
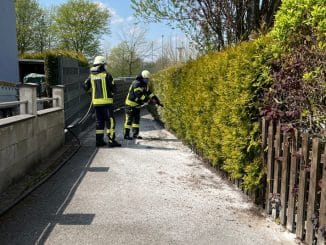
(139,93)
(102,87)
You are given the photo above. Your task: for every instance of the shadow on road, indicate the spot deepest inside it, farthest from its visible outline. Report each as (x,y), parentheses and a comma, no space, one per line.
(32,220)
(161,139)
(141,146)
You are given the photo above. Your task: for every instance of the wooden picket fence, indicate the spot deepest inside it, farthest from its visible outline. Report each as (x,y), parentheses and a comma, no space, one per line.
(296,181)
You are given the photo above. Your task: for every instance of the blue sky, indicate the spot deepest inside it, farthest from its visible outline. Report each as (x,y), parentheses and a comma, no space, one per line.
(122,15)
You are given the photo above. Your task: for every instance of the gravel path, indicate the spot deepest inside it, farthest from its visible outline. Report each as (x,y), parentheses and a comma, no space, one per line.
(150,191)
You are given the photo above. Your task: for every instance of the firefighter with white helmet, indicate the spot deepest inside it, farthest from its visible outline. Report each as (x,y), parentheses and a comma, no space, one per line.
(139,93)
(102,86)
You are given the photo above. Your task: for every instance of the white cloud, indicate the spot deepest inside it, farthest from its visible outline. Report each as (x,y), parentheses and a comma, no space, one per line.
(115,18)
(130,18)
(102,5)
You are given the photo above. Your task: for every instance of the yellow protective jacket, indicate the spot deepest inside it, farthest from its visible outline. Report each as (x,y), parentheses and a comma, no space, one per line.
(139,93)
(101,85)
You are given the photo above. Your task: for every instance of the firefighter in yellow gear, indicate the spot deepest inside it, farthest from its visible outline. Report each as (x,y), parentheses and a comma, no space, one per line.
(139,93)
(102,87)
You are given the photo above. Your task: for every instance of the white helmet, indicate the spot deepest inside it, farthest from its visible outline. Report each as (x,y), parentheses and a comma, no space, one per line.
(145,74)
(99,60)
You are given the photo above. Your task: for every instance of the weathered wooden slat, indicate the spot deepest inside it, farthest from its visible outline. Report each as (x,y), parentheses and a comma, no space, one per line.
(285,179)
(321,240)
(277,170)
(301,217)
(237,183)
(270,166)
(261,195)
(290,224)
(323,158)
(264,135)
(313,185)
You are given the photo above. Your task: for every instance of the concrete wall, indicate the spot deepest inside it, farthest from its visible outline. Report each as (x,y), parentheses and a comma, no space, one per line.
(28,139)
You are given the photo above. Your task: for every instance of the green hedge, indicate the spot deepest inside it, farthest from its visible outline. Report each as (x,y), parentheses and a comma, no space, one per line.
(297,95)
(299,22)
(211,103)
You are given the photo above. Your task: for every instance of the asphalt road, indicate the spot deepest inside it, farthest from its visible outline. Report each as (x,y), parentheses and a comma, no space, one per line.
(150,191)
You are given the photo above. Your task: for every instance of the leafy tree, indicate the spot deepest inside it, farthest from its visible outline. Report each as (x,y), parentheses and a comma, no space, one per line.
(136,46)
(45,37)
(211,24)
(30,23)
(79,24)
(119,61)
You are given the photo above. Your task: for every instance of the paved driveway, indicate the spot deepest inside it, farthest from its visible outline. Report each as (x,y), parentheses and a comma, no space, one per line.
(150,191)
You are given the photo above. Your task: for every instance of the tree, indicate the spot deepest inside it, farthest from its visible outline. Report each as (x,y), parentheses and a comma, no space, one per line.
(29,23)
(79,24)
(45,36)
(118,61)
(136,46)
(211,24)
(178,50)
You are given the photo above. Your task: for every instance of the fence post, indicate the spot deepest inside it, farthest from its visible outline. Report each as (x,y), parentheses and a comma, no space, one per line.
(260,196)
(293,183)
(312,218)
(302,193)
(58,94)
(277,170)
(321,239)
(285,179)
(270,166)
(28,92)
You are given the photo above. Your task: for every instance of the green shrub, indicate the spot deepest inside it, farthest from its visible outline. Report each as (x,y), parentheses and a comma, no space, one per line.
(56,53)
(299,22)
(212,104)
(297,94)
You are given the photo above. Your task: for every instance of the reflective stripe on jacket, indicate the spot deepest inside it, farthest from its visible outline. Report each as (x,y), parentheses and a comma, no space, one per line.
(138,94)
(100,90)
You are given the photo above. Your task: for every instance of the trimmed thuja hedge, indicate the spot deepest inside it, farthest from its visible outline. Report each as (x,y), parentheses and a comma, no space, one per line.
(214,103)
(211,103)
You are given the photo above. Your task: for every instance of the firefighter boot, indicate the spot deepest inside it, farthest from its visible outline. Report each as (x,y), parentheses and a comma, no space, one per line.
(99,140)
(136,133)
(126,134)
(113,142)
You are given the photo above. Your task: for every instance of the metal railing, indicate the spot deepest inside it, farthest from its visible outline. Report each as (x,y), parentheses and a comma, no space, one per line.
(12,104)
(6,105)
(47,99)
(46,103)
(39,100)
(9,109)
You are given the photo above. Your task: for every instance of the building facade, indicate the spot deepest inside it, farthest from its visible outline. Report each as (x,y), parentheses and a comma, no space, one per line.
(9,74)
